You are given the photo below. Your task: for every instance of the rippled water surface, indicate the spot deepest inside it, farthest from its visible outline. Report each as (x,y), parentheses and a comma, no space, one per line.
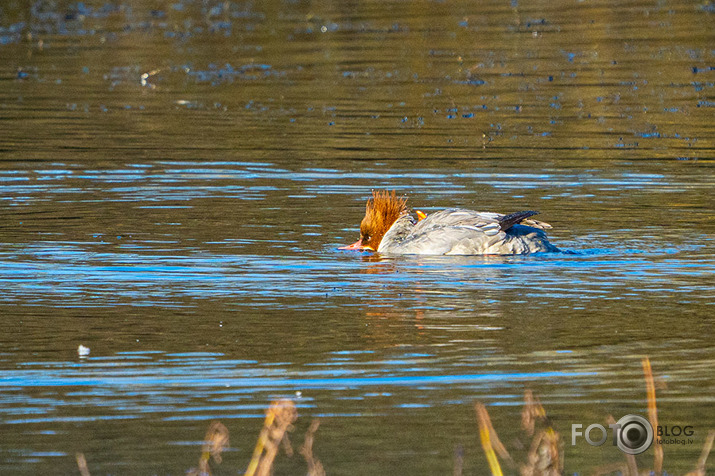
(175,180)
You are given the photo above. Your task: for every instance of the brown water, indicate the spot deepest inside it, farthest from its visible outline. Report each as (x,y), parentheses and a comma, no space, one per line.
(185,227)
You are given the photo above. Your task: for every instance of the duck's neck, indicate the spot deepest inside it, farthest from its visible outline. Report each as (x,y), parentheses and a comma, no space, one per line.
(397,233)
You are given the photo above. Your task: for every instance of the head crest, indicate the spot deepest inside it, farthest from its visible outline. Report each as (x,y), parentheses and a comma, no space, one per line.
(381,211)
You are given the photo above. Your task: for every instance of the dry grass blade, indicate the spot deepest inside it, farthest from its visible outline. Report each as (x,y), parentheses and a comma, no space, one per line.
(653,415)
(315,467)
(495,441)
(458,461)
(215,441)
(544,457)
(532,413)
(486,437)
(630,459)
(707,448)
(82,464)
(279,419)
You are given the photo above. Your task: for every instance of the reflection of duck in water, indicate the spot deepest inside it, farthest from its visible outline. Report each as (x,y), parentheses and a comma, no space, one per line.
(389,228)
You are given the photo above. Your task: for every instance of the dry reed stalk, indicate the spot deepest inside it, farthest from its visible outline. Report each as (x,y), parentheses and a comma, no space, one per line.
(485,436)
(315,467)
(82,464)
(653,415)
(532,413)
(458,469)
(545,455)
(632,466)
(496,442)
(544,458)
(707,448)
(279,420)
(215,441)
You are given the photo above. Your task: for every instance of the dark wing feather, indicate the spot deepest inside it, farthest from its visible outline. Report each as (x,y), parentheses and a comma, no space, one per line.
(507,221)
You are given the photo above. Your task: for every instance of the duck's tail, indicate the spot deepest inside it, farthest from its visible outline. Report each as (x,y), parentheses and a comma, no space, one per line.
(536,224)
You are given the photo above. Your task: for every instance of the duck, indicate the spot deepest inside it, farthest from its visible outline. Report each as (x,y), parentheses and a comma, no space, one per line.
(389,228)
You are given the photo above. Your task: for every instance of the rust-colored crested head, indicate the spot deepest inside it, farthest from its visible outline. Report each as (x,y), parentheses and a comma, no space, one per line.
(381,211)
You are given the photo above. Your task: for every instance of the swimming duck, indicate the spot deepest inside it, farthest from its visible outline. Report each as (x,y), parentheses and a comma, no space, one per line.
(389,228)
